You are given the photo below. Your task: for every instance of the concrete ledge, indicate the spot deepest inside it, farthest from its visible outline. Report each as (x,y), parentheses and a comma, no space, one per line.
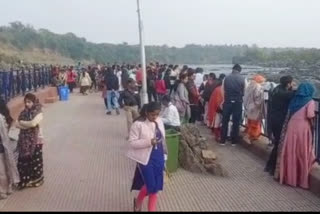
(47,95)
(50,100)
(261,149)
(315,180)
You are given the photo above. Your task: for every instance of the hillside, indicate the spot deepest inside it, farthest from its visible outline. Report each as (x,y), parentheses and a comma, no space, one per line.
(11,55)
(23,42)
(25,38)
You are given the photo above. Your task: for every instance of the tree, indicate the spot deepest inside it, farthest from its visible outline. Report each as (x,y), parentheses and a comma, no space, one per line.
(69,45)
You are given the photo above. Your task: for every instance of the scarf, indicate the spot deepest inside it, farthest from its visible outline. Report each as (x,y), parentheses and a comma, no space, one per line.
(259,79)
(28,138)
(303,96)
(11,165)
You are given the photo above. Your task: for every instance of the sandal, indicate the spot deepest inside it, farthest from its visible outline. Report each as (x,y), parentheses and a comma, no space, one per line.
(3,196)
(40,183)
(21,186)
(247,140)
(37,183)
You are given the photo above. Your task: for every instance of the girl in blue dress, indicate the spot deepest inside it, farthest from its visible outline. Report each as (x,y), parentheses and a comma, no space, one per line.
(147,140)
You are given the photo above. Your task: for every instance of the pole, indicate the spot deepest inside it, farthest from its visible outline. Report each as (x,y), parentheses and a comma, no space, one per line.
(144,93)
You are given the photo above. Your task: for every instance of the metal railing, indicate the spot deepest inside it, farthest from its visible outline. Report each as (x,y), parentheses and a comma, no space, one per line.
(19,82)
(316,128)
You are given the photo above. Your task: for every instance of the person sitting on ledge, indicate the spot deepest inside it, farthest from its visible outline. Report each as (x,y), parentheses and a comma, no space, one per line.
(169,114)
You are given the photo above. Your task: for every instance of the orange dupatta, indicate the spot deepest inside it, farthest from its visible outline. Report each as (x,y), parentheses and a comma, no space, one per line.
(215,102)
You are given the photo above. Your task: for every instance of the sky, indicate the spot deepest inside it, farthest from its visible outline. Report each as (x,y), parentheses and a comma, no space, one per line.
(267,23)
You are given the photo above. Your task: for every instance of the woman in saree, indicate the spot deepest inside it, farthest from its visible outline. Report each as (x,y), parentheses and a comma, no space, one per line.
(214,115)
(254,107)
(296,155)
(9,175)
(30,161)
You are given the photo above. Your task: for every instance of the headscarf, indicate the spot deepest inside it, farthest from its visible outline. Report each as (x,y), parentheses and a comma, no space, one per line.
(259,79)
(28,138)
(303,96)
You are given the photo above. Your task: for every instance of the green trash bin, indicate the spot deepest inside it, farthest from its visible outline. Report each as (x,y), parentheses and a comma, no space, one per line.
(172,140)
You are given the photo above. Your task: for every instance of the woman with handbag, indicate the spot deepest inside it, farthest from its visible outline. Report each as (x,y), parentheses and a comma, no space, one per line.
(148,149)
(9,174)
(30,161)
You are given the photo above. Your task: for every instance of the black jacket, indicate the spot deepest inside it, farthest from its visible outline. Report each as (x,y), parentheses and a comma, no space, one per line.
(279,104)
(112,81)
(151,81)
(129,98)
(124,78)
(234,86)
(167,78)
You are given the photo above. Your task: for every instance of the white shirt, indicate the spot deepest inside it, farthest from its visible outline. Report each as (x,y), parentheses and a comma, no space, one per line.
(199,80)
(119,73)
(174,73)
(170,116)
(132,74)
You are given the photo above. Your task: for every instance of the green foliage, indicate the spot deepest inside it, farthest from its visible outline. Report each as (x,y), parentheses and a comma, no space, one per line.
(286,57)
(26,37)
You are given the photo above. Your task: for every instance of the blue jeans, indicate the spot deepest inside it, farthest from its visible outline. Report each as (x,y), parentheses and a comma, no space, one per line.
(112,100)
(233,108)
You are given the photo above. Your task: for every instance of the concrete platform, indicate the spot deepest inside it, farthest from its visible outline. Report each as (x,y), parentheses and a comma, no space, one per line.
(263,150)
(86,170)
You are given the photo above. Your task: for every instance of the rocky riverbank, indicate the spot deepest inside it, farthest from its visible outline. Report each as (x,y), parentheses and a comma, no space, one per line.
(195,154)
(310,74)
(273,72)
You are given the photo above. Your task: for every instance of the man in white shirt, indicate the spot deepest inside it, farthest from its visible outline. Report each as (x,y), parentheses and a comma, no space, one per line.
(132,72)
(119,75)
(169,114)
(199,77)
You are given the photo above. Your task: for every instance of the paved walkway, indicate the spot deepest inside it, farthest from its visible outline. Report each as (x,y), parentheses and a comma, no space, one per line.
(86,170)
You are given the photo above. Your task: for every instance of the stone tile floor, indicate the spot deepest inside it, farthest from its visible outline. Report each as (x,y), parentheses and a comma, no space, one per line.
(86,170)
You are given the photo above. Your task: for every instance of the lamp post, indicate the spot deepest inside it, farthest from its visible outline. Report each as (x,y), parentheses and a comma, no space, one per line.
(143,57)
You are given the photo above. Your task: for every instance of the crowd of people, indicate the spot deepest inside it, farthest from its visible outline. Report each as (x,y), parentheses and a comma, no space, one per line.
(176,96)
(187,96)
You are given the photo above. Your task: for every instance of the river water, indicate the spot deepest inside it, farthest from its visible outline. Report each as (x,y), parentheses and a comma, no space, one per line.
(272,74)
(227,68)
